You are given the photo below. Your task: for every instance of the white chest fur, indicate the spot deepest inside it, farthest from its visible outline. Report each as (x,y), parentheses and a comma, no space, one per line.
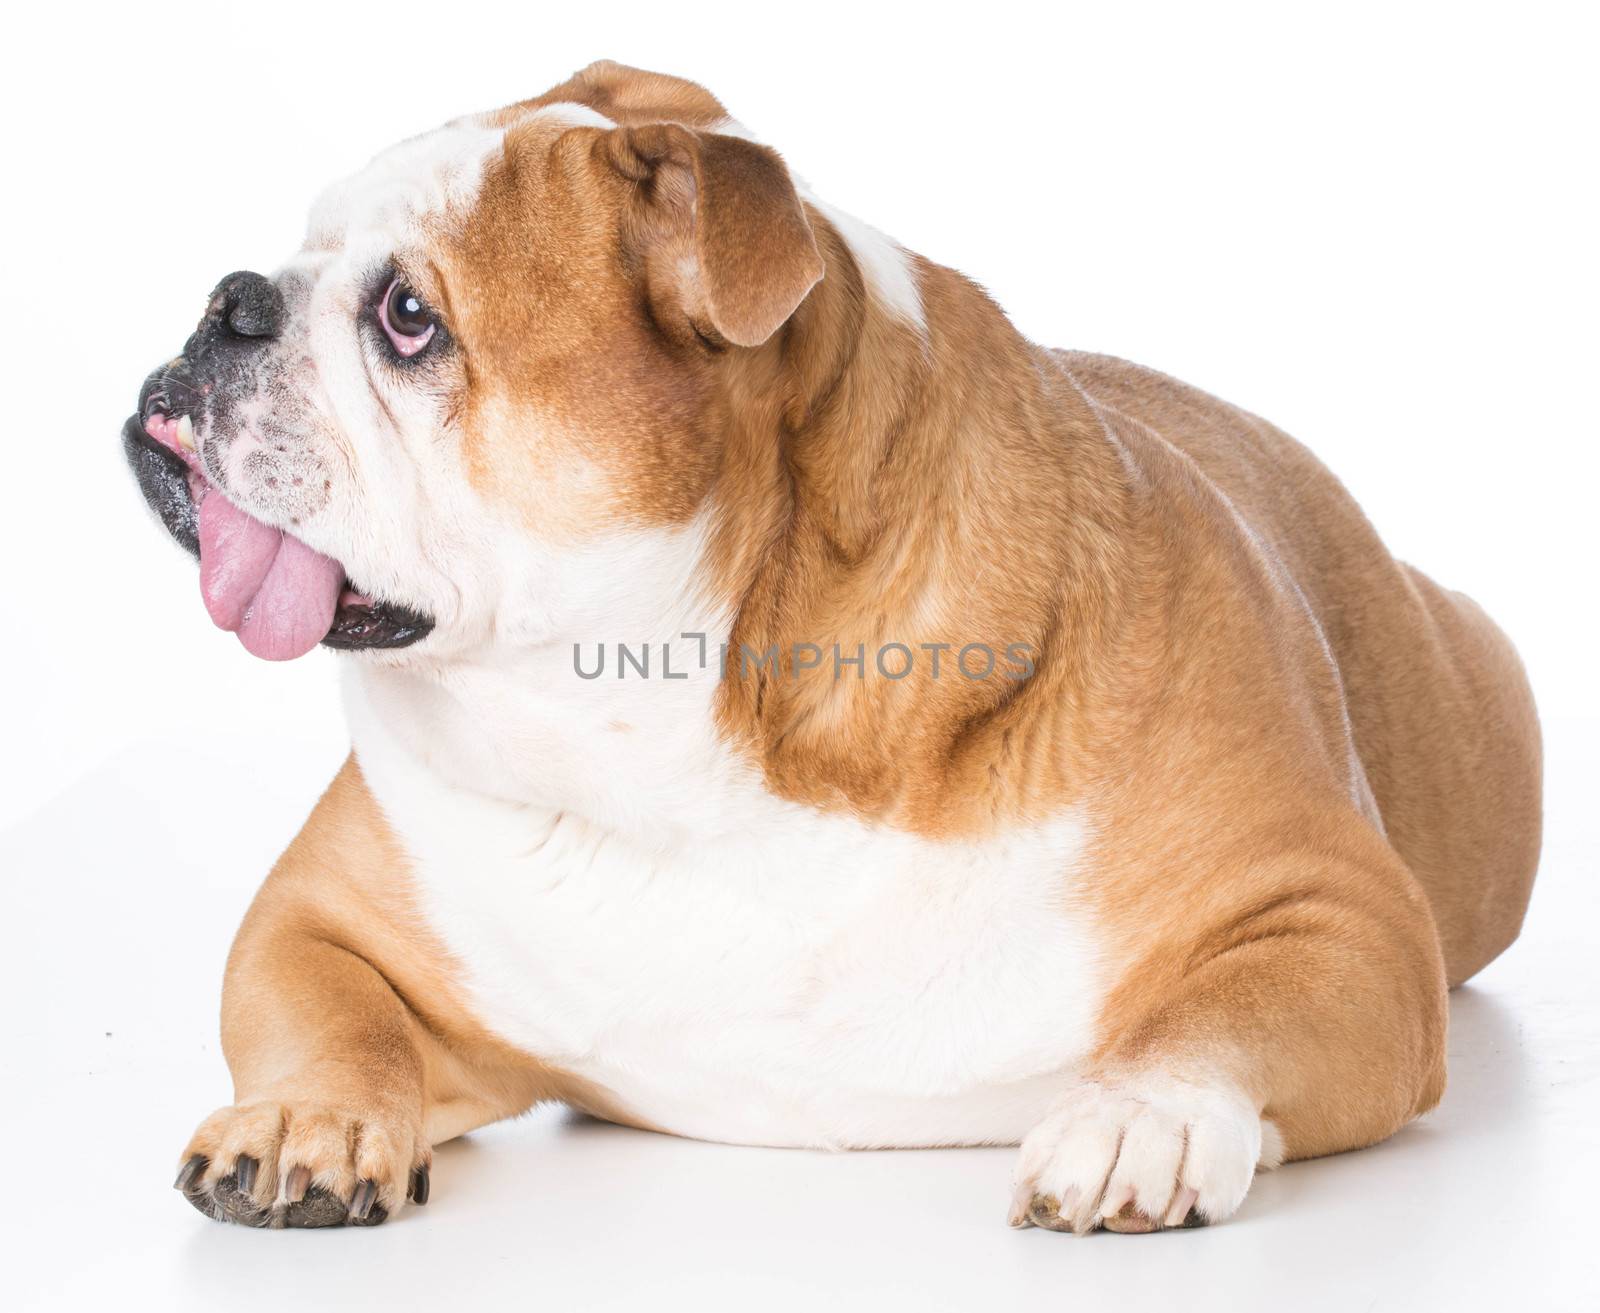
(754,972)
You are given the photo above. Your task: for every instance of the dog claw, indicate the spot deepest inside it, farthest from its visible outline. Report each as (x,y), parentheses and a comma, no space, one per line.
(190,1172)
(1182,1203)
(361,1205)
(244,1173)
(295,1187)
(418,1193)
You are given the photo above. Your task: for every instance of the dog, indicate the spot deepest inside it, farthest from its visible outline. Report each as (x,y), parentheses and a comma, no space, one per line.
(790,708)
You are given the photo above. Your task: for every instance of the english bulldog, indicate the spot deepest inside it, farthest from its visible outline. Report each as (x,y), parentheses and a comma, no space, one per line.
(788,707)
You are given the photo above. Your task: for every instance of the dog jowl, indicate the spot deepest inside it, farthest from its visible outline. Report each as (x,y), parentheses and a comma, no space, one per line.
(597,372)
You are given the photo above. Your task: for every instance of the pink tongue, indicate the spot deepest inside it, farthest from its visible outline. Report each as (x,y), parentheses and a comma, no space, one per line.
(277,594)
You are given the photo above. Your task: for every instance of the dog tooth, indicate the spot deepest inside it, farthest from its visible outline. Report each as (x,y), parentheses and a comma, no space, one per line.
(186,433)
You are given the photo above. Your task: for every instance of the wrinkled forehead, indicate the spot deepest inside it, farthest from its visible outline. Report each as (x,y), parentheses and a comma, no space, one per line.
(439,173)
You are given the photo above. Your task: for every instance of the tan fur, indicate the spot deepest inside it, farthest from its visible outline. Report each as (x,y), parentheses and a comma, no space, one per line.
(1313,774)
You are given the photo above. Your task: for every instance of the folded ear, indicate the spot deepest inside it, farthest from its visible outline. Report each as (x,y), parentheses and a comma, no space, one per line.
(721,230)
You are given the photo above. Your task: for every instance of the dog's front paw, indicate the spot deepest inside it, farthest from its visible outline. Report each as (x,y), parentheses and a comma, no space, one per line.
(305,1164)
(1141,1153)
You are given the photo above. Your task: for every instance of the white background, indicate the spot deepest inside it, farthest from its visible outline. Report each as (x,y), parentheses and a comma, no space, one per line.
(1374,225)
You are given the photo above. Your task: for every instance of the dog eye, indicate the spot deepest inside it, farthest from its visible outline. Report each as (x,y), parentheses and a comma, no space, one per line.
(406,319)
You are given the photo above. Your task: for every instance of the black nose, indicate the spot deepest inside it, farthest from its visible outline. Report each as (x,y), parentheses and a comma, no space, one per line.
(246,305)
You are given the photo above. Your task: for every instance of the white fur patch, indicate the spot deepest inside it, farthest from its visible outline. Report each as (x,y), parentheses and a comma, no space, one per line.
(421,176)
(887,267)
(574,114)
(628,902)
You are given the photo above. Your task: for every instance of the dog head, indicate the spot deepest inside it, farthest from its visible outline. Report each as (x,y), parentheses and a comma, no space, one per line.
(498,353)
